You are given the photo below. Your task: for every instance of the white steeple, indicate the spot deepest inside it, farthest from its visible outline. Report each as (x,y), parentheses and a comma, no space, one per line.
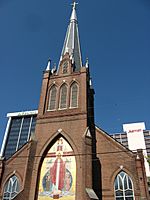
(72,44)
(73,15)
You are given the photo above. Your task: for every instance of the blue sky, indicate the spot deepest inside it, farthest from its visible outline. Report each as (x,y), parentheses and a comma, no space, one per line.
(114,35)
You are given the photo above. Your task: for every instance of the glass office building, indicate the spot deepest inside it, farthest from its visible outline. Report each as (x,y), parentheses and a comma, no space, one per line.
(19,129)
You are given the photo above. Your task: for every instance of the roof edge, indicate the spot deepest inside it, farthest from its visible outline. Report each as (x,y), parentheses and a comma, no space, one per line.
(22,113)
(114,140)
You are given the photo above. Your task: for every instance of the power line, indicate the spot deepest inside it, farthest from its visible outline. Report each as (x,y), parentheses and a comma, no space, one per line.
(90,154)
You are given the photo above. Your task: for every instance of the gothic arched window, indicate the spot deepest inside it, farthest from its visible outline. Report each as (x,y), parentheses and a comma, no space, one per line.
(52,98)
(63,97)
(74,96)
(65,67)
(123,187)
(11,188)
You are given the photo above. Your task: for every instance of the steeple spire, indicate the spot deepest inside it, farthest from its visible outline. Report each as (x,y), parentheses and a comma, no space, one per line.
(73,15)
(72,44)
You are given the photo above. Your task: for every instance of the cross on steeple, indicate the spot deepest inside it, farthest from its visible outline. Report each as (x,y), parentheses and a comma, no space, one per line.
(74,4)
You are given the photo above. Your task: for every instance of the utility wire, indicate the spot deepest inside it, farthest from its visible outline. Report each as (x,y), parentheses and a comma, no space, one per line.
(90,154)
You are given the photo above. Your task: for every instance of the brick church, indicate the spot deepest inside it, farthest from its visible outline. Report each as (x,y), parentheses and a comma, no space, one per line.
(58,152)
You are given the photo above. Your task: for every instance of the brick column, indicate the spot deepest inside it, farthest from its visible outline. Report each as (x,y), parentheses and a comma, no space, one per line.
(142,175)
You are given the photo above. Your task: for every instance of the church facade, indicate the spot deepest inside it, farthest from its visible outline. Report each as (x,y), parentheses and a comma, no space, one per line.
(58,152)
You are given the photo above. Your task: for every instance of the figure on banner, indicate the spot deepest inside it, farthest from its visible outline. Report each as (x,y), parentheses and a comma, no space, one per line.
(57,180)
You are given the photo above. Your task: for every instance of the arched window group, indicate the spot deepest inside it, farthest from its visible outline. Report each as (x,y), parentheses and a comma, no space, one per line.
(123,187)
(11,188)
(63,93)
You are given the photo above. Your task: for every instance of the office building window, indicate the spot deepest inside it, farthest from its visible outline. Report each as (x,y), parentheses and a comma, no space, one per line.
(19,133)
(11,188)
(123,187)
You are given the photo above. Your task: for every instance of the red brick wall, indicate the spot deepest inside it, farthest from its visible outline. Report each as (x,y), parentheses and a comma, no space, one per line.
(114,158)
(73,124)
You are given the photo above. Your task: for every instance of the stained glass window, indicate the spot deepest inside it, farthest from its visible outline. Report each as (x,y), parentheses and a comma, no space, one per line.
(63,97)
(74,96)
(52,99)
(123,187)
(11,188)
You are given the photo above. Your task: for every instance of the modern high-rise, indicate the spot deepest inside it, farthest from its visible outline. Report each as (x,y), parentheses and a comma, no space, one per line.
(58,152)
(20,128)
(135,136)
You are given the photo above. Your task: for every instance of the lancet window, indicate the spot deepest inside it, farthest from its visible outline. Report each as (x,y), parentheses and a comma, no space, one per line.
(123,187)
(63,97)
(74,95)
(65,67)
(11,188)
(52,98)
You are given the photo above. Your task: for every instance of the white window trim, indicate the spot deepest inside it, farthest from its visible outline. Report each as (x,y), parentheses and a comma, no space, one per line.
(124,197)
(60,97)
(71,107)
(29,131)
(49,101)
(11,181)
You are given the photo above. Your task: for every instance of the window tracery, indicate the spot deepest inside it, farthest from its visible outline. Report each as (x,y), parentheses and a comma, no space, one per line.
(11,188)
(123,187)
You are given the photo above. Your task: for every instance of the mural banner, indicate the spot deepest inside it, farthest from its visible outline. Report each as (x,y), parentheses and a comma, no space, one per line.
(58,173)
